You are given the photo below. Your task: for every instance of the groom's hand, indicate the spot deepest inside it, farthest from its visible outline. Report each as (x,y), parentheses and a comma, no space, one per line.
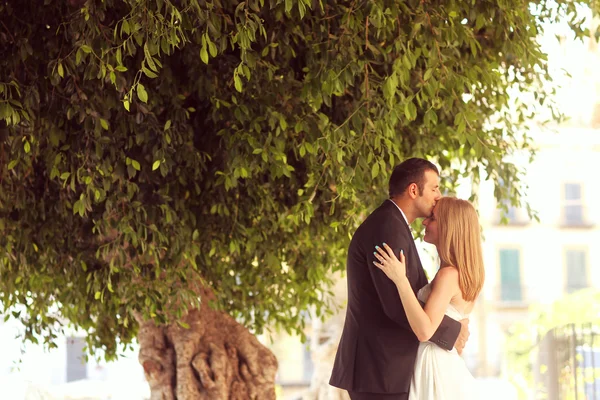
(463,336)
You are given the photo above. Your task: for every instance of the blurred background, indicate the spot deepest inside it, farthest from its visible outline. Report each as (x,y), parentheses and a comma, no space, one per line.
(534,331)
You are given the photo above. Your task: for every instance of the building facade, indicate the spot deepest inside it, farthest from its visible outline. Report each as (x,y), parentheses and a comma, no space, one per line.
(538,262)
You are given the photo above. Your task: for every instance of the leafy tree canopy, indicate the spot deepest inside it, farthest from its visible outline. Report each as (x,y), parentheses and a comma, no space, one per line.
(151,146)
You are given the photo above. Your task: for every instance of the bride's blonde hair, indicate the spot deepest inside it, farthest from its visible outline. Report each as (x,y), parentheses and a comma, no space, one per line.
(459,243)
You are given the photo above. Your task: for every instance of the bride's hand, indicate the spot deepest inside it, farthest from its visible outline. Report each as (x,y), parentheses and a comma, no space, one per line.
(394,268)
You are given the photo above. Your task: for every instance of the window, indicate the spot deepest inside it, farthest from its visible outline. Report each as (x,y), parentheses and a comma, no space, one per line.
(577,274)
(308,366)
(510,275)
(513,215)
(76,364)
(573,203)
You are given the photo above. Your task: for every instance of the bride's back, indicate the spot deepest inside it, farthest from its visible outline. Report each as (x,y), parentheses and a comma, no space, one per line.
(461,305)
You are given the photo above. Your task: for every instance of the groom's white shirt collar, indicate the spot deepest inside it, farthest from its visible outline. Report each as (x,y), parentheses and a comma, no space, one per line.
(403,215)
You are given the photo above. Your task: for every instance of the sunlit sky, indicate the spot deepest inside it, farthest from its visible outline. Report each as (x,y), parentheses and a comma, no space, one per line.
(579,93)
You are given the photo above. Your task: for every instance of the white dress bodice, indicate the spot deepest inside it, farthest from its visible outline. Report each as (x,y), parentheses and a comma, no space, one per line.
(440,374)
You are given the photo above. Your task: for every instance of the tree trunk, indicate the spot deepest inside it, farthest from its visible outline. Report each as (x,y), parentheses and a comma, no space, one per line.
(324,342)
(215,358)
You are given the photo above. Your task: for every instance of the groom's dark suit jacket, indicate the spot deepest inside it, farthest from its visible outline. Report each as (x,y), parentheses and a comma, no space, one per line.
(377,350)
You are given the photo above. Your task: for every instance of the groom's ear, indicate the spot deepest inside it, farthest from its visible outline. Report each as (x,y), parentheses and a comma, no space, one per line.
(413,190)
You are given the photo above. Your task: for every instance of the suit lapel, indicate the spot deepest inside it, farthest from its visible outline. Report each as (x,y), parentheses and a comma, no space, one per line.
(420,278)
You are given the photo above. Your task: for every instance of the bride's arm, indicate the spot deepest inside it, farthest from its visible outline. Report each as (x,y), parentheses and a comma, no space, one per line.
(424,322)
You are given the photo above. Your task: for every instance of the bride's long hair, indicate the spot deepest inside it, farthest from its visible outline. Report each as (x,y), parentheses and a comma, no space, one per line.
(459,243)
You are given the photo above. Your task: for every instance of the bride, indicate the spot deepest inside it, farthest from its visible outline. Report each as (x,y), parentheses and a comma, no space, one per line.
(454,229)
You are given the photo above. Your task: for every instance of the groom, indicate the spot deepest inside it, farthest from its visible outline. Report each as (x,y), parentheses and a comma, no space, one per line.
(377,351)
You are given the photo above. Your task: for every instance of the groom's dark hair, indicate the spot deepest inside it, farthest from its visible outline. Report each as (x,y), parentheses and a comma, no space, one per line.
(410,171)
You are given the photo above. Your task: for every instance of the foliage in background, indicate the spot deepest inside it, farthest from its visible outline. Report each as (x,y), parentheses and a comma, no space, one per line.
(522,344)
(148,146)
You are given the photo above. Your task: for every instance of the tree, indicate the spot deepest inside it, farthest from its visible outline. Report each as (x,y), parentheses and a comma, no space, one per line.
(190,171)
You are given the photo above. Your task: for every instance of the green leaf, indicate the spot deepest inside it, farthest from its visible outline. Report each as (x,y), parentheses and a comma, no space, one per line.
(148,58)
(375,170)
(167,125)
(155,165)
(204,54)
(121,68)
(473,45)
(12,164)
(238,83)
(390,86)
(131,171)
(212,49)
(410,111)
(478,149)
(61,71)
(136,165)
(77,206)
(149,73)
(104,124)
(183,324)
(27,147)
(427,74)
(289,4)
(86,49)
(431,117)
(141,93)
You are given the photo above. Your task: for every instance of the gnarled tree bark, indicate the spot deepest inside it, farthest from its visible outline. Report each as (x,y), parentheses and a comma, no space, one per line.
(215,358)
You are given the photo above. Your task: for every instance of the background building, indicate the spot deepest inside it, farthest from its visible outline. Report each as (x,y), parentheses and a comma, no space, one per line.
(530,262)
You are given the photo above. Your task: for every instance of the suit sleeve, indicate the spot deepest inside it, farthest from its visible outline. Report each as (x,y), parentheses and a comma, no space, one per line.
(447,333)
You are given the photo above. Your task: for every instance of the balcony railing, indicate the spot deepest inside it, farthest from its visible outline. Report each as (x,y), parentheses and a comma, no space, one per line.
(567,363)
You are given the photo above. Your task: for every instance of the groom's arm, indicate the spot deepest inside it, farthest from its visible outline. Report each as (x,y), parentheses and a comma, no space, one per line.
(446,334)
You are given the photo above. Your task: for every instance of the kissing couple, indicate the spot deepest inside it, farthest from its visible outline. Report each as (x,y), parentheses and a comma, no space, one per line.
(403,336)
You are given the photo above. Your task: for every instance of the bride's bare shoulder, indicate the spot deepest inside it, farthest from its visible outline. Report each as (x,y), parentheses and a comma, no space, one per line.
(447,276)
(448,272)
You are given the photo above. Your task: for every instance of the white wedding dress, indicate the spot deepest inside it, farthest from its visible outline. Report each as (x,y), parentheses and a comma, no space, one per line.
(440,374)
